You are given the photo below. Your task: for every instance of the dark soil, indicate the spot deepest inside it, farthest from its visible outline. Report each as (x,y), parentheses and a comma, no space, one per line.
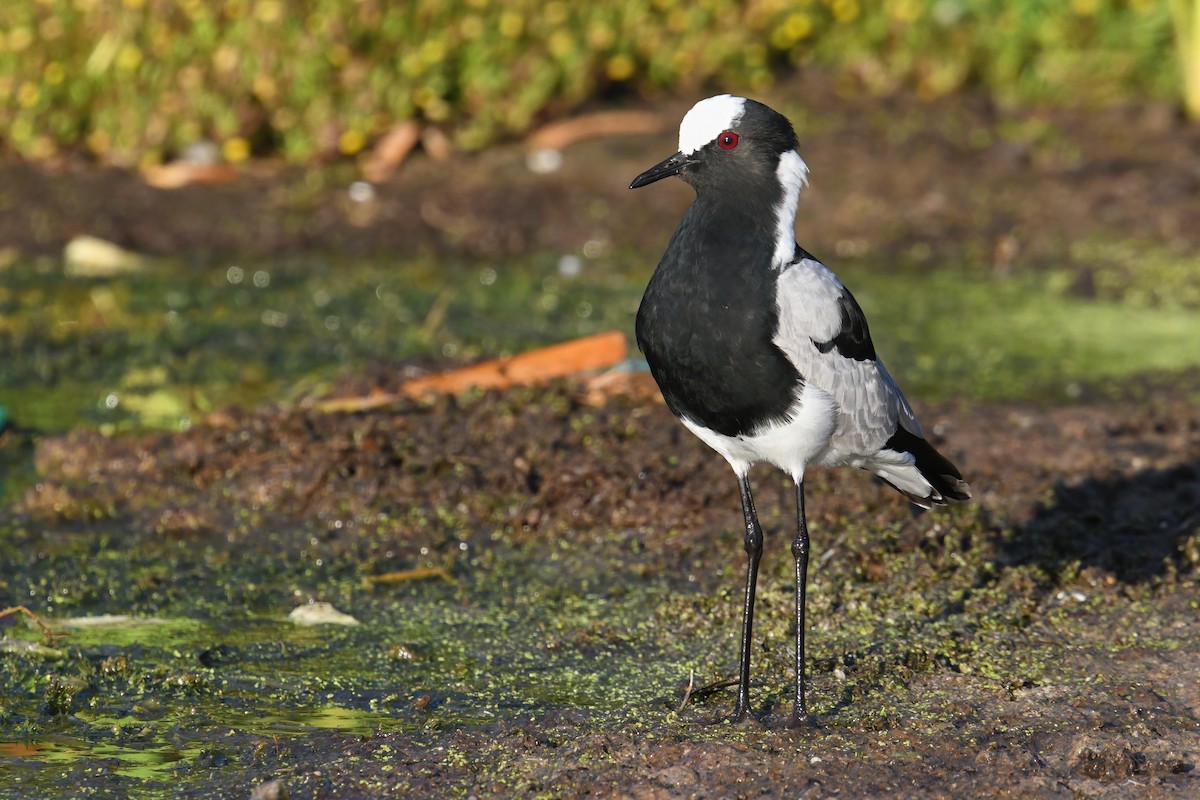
(1098,501)
(1070,665)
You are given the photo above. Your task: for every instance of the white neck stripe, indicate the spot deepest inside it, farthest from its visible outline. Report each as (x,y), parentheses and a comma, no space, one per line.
(792,173)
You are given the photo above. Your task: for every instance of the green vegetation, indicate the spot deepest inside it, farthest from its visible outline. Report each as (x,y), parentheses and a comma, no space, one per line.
(137,80)
(1186,15)
(166,346)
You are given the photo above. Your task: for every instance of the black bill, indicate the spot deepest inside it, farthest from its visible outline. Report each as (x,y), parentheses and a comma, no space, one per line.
(664,169)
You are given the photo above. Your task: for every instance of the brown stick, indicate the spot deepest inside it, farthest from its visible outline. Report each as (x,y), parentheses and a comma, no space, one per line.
(404,576)
(599,351)
(557,135)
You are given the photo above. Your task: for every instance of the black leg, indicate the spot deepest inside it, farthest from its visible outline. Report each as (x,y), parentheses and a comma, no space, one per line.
(800,551)
(754,546)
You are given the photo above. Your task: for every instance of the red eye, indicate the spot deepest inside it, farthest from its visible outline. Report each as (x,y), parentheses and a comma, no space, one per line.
(728,140)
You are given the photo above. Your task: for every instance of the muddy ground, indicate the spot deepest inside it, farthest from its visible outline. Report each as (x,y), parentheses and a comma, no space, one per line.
(1042,641)
(961,177)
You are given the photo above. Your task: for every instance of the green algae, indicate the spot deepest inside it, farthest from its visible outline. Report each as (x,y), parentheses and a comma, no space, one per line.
(553,656)
(164,347)
(195,690)
(474,659)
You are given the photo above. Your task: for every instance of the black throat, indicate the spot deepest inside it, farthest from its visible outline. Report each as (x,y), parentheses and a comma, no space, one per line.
(708,318)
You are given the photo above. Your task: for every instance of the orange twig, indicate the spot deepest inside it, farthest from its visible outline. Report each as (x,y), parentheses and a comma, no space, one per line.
(599,351)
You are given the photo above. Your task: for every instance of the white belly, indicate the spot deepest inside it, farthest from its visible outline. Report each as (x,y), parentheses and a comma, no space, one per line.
(793,444)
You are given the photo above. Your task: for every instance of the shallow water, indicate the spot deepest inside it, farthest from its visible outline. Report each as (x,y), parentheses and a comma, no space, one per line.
(163,347)
(160,347)
(158,702)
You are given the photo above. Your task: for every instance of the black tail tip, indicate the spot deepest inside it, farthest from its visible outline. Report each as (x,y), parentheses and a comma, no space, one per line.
(944,477)
(951,487)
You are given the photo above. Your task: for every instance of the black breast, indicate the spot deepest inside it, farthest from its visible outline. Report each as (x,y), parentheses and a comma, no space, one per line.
(706,325)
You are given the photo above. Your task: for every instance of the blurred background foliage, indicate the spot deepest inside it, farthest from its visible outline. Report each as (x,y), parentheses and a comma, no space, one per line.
(135,81)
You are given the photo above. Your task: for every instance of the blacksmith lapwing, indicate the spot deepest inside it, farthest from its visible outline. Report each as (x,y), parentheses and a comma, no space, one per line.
(760,350)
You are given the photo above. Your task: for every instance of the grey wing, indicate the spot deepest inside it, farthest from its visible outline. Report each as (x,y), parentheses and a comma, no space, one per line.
(824,333)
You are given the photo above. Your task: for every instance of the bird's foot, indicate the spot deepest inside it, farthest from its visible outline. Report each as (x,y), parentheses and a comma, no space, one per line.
(802,720)
(744,718)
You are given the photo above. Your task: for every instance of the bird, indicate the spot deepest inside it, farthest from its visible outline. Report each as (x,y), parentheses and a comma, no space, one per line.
(761,351)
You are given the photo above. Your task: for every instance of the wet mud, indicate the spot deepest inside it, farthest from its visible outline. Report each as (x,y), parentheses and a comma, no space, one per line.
(1043,640)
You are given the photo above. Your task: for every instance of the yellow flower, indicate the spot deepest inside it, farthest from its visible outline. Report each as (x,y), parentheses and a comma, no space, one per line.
(28,94)
(19,38)
(620,67)
(268,12)
(411,64)
(560,43)
(235,149)
(129,57)
(265,87)
(797,26)
(54,73)
(432,106)
(351,142)
(845,10)
(902,10)
(511,24)
(599,36)
(433,51)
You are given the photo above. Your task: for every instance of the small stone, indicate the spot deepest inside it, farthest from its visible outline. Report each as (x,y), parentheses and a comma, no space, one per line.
(320,614)
(271,790)
(676,776)
(90,257)
(544,161)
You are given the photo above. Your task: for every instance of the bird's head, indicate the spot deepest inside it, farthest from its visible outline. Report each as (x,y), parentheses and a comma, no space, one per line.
(728,143)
